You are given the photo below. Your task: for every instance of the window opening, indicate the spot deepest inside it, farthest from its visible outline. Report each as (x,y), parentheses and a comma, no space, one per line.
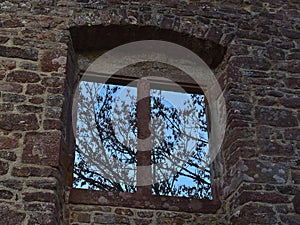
(138,146)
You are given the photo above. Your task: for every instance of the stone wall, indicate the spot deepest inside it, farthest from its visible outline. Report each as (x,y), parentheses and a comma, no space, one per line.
(257,176)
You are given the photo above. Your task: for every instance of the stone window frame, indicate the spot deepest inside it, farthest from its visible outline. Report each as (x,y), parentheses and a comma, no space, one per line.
(213,55)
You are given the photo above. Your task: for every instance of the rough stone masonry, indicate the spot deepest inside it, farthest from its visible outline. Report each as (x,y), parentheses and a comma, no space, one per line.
(256,177)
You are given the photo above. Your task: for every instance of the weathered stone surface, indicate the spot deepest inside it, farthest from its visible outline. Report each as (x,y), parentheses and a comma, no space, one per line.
(122,211)
(39,197)
(82,217)
(292,82)
(8,63)
(11,87)
(8,143)
(40,206)
(5,194)
(52,124)
(36,100)
(111,219)
(11,122)
(27,171)
(3,40)
(11,156)
(12,183)
(6,107)
(251,63)
(10,216)
(42,183)
(3,167)
(290,219)
(275,117)
(42,148)
(145,214)
(263,215)
(35,89)
(42,218)
(53,82)
(55,100)
(54,61)
(259,196)
(23,77)
(292,134)
(29,109)
(14,52)
(14,98)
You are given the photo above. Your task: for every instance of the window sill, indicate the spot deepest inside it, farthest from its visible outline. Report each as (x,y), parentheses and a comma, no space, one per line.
(136,200)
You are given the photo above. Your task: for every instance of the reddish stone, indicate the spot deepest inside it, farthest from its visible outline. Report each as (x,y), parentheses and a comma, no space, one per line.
(26,171)
(11,23)
(42,183)
(254,213)
(254,63)
(275,53)
(36,100)
(39,197)
(8,143)
(23,77)
(8,64)
(267,101)
(291,102)
(14,52)
(272,148)
(260,172)
(11,217)
(292,67)
(13,122)
(52,124)
(35,89)
(290,219)
(293,82)
(259,196)
(53,82)
(214,34)
(52,61)
(275,117)
(42,148)
(29,109)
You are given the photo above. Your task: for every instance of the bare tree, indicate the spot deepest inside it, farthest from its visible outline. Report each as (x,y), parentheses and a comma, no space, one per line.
(106,139)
